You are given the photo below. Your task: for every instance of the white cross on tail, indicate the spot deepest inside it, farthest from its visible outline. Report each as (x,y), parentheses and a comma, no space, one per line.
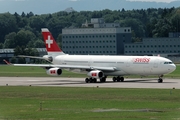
(49,41)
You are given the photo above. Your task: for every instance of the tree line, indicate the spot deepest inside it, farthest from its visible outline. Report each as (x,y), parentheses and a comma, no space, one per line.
(25,30)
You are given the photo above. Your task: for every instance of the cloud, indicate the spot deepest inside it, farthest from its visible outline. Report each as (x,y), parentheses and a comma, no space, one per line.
(166,1)
(13,0)
(74,0)
(19,0)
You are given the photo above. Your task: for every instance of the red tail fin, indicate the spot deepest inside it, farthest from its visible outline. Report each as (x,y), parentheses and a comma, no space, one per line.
(51,45)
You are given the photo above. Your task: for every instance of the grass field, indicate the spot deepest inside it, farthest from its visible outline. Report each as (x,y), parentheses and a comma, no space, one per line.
(61,103)
(12,71)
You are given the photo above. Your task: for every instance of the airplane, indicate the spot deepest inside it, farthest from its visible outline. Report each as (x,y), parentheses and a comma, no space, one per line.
(101,66)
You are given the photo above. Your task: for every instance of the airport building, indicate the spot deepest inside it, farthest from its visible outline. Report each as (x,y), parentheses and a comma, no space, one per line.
(103,38)
(169,46)
(96,38)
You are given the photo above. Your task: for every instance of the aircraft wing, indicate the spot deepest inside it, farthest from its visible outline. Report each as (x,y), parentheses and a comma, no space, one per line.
(68,66)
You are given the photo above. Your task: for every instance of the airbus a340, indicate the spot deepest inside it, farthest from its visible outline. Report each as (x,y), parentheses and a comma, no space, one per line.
(101,66)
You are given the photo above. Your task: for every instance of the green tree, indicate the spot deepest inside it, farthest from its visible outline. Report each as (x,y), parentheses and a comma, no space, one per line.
(19,50)
(10,40)
(23,37)
(1,45)
(39,44)
(23,14)
(8,24)
(162,28)
(37,22)
(21,60)
(13,60)
(31,52)
(23,23)
(30,14)
(56,25)
(175,20)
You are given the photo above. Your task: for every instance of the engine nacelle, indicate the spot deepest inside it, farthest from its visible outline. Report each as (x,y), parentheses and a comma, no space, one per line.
(96,74)
(54,71)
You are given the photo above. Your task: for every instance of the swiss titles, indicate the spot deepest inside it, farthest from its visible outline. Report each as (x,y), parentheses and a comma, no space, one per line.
(141,60)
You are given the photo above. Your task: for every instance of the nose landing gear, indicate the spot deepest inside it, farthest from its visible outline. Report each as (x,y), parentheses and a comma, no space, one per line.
(160,80)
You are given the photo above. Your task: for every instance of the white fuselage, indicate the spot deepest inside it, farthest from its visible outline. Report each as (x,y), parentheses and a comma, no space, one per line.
(124,65)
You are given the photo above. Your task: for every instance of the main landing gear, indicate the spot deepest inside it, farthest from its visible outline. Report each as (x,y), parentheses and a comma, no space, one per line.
(103,79)
(90,80)
(94,80)
(118,79)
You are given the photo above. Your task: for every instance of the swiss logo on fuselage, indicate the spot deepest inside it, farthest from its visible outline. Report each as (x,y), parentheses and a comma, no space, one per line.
(49,41)
(141,60)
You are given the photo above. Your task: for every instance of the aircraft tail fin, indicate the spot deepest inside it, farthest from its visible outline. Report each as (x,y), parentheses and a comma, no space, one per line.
(51,46)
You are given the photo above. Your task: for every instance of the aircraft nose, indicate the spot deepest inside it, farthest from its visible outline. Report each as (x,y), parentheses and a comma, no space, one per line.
(172,67)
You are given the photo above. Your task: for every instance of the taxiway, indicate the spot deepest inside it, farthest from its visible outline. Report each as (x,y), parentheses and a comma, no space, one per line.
(79,82)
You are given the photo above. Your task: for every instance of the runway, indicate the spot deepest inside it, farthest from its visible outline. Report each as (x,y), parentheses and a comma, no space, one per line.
(79,82)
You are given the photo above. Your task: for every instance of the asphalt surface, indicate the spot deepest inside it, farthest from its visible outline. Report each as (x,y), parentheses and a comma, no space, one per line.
(79,82)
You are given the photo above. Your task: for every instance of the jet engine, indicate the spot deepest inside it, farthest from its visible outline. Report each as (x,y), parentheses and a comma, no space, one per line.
(96,74)
(54,71)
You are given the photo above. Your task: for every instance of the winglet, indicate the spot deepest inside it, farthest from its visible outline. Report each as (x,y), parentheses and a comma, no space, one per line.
(8,63)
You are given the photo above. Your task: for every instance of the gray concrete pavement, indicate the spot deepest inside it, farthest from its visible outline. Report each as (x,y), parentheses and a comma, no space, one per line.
(79,82)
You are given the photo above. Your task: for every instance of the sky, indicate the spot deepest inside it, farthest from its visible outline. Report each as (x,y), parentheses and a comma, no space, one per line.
(167,1)
(52,6)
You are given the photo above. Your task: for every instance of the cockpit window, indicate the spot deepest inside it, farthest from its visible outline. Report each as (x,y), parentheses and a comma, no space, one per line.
(168,62)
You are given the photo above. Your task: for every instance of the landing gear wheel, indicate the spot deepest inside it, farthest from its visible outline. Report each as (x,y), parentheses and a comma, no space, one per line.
(87,80)
(90,80)
(95,80)
(114,79)
(122,79)
(103,79)
(118,79)
(160,80)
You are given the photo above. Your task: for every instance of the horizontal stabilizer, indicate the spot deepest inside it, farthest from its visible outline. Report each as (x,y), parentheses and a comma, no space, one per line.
(35,57)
